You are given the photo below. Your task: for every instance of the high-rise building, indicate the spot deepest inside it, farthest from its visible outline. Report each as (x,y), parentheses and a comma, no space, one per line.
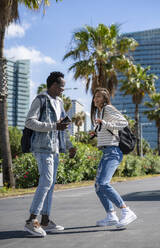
(87,123)
(146,54)
(18,92)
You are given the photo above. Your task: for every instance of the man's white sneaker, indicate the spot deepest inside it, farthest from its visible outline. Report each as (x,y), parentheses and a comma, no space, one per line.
(52,227)
(127,216)
(110,220)
(34,228)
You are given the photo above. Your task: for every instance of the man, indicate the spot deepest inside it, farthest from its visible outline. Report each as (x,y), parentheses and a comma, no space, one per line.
(48,139)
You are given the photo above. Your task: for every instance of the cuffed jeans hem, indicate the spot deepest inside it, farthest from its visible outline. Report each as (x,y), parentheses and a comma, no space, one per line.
(34,212)
(44,213)
(123,204)
(110,210)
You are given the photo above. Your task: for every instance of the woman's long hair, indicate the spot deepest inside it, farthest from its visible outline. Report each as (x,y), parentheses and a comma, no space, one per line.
(107,101)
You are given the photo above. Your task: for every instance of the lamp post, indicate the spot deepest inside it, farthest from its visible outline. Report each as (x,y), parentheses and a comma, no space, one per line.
(71,88)
(143,124)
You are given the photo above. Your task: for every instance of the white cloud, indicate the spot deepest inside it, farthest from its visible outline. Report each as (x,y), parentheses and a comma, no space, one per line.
(21,52)
(16,30)
(33,90)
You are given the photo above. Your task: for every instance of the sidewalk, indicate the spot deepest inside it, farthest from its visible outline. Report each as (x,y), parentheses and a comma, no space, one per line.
(78,210)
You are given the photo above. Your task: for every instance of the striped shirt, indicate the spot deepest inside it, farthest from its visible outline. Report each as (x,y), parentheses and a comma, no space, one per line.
(113,120)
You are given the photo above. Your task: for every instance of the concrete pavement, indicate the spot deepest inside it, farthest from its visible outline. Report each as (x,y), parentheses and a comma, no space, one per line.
(78,210)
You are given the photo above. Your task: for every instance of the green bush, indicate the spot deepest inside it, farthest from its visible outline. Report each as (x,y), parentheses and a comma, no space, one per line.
(26,171)
(151,164)
(85,138)
(138,166)
(82,167)
(15,141)
(133,166)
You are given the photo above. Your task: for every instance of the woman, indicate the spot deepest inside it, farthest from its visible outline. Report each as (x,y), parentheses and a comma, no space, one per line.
(107,117)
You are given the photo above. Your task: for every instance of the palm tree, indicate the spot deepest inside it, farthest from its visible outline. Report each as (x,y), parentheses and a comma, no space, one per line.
(41,88)
(66,100)
(154,114)
(78,119)
(98,54)
(137,84)
(67,103)
(8,14)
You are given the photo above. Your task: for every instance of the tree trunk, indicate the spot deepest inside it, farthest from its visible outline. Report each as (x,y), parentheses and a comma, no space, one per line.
(137,129)
(78,128)
(8,178)
(158,141)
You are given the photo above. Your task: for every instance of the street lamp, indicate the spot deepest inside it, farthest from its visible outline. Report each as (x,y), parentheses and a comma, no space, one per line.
(143,124)
(71,89)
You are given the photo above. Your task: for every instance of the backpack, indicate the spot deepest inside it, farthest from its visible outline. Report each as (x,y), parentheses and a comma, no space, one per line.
(127,140)
(27,133)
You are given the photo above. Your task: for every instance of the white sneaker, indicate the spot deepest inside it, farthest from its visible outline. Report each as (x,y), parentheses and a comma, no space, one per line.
(52,227)
(34,228)
(127,217)
(110,220)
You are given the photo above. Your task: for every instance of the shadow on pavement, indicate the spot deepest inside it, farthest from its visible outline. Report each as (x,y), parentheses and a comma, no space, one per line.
(15,235)
(143,196)
(71,230)
(78,229)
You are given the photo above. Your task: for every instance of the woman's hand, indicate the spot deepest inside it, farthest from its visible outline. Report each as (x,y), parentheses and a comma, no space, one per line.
(98,121)
(92,133)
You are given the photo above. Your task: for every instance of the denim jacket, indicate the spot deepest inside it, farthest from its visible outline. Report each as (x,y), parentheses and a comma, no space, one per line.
(45,137)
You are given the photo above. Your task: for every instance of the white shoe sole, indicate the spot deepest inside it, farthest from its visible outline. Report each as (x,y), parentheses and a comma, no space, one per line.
(111,223)
(34,233)
(54,229)
(131,219)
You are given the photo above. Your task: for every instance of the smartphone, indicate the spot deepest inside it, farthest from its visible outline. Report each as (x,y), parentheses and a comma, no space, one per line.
(66,120)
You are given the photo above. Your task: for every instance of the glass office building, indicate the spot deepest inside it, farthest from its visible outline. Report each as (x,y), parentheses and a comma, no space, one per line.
(18,92)
(146,54)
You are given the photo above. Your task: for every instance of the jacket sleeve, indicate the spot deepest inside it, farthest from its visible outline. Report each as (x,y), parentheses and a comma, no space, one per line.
(32,121)
(113,119)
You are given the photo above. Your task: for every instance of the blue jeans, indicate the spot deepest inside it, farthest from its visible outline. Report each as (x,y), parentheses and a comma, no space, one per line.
(112,156)
(47,166)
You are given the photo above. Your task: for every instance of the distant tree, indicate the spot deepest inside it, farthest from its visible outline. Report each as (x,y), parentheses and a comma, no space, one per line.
(98,54)
(67,103)
(78,119)
(42,87)
(153,114)
(131,123)
(138,83)
(8,14)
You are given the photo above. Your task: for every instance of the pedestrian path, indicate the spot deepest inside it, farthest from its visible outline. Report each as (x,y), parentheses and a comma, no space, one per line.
(78,210)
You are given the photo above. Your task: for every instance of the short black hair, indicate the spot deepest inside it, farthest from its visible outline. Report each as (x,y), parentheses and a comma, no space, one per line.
(54,77)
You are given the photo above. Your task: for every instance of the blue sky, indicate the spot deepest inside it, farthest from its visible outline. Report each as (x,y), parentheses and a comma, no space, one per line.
(45,39)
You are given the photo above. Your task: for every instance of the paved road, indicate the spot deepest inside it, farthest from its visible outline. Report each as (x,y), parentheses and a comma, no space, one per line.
(78,210)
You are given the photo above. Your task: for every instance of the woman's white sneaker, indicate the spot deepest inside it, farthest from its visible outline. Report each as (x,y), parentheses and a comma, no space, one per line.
(110,220)
(127,216)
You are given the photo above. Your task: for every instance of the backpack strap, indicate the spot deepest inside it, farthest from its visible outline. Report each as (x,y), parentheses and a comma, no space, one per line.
(42,99)
(108,129)
(113,134)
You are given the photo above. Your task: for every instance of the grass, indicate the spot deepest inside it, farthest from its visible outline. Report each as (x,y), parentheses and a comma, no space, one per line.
(5,192)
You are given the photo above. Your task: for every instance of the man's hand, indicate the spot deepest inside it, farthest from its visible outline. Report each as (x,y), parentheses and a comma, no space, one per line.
(72,152)
(61,126)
